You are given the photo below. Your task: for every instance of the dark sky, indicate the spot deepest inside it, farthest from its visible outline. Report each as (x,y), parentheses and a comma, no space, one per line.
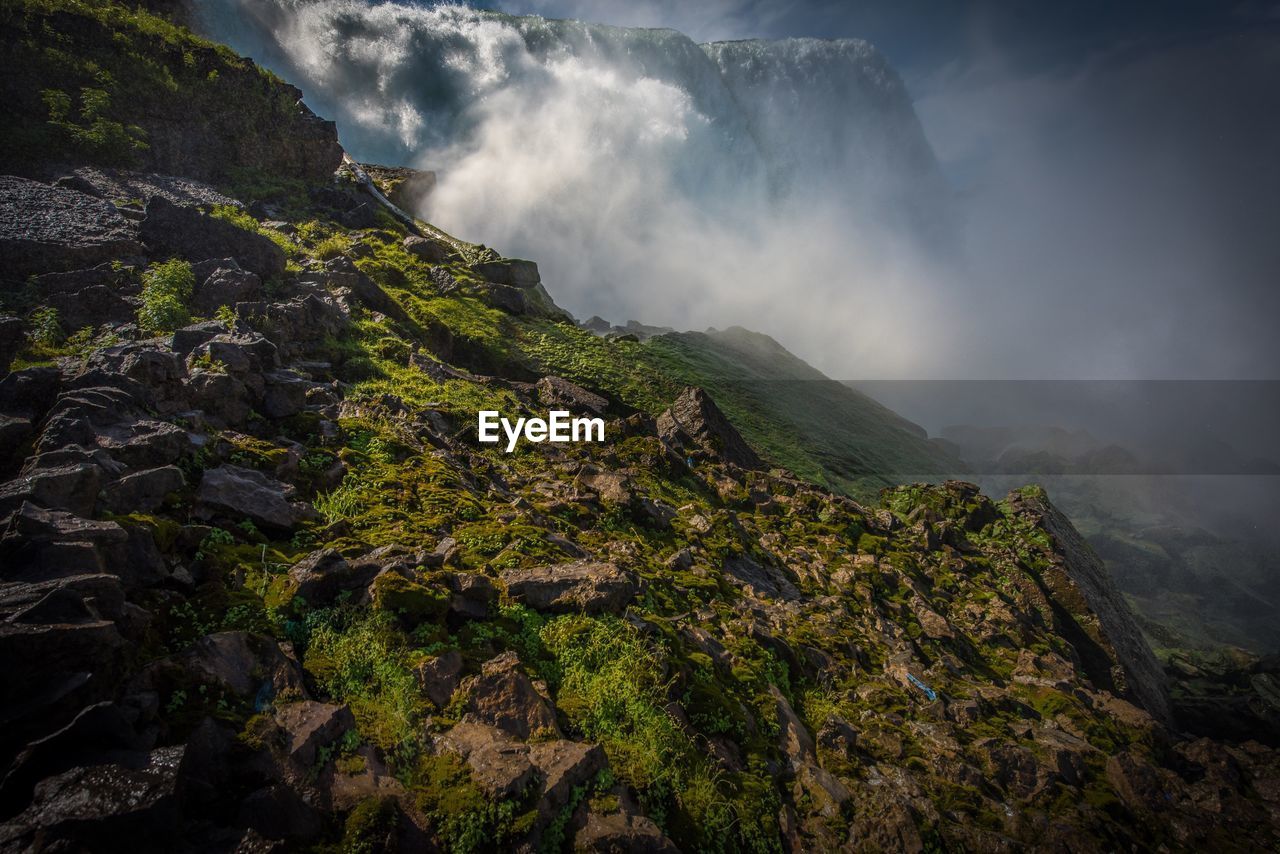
(1118,161)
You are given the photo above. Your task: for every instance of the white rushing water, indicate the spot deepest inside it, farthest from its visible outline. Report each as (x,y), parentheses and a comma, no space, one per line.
(786,186)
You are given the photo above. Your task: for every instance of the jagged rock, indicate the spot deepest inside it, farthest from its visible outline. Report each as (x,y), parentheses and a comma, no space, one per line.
(695,422)
(347,788)
(196,236)
(499,765)
(279,812)
(405,188)
(107,418)
(298,328)
(613,487)
(1113,651)
(622,833)
(563,765)
(512,272)
(187,339)
(309,726)
(49,229)
(12,339)
(555,392)
(142,491)
(92,306)
(248,665)
(74,599)
(439,677)
(285,394)
(322,575)
(431,250)
(762,579)
(242,493)
(583,586)
(503,696)
(472,594)
(73,487)
(340,272)
(227,284)
(103,808)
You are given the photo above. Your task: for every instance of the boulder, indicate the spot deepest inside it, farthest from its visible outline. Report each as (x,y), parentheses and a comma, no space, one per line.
(694,422)
(72,487)
(503,696)
(240,493)
(341,272)
(584,586)
(248,665)
(309,726)
(284,394)
(48,229)
(622,832)
(511,272)
(322,575)
(196,236)
(438,677)
(472,594)
(558,393)
(226,285)
(563,766)
(103,808)
(93,306)
(431,249)
(107,418)
(499,765)
(12,340)
(142,491)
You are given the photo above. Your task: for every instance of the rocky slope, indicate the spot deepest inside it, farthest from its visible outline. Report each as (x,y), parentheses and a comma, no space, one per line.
(263,590)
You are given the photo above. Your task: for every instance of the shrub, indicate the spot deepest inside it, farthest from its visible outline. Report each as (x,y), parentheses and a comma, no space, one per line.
(46,328)
(166,290)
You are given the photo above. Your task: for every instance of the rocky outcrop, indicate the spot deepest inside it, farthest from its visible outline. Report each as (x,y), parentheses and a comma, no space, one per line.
(1114,651)
(170,229)
(584,586)
(49,229)
(240,493)
(695,424)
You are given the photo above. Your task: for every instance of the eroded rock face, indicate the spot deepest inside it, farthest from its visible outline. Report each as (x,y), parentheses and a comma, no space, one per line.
(47,229)
(1113,649)
(503,696)
(694,422)
(196,236)
(588,587)
(241,493)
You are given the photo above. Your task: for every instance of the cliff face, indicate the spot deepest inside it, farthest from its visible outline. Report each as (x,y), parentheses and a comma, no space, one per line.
(108,85)
(261,588)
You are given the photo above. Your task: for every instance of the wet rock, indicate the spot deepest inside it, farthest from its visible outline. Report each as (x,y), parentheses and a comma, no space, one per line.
(504,697)
(192,234)
(47,229)
(142,491)
(104,807)
(694,422)
(241,493)
(583,586)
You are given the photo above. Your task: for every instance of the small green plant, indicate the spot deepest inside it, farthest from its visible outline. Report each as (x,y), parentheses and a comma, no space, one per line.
(46,328)
(225,315)
(166,291)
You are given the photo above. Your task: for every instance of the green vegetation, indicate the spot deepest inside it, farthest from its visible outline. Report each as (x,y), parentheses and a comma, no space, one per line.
(166,295)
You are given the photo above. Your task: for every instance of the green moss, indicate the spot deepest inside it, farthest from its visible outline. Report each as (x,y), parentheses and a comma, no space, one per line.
(410,602)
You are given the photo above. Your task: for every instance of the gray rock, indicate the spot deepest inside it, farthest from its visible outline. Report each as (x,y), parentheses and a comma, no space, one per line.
(48,229)
(241,493)
(226,285)
(72,487)
(185,231)
(584,586)
(512,272)
(430,249)
(322,575)
(142,491)
(248,665)
(694,422)
(285,394)
(560,393)
(92,306)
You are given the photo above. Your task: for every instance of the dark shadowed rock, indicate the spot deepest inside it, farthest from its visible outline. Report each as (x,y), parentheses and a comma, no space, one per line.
(1113,651)
(504,697)
(310,726)
(72,487)
(560,393)
(695,422)
(279,812)
(48,229)
(93,306)
(185,231)
(512,272)
(321,576)
(241,493)
(563,766)
(103,808)
(248,665)
(583,586)
(12,340)
(228,284)
(142,491)
(108,418)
